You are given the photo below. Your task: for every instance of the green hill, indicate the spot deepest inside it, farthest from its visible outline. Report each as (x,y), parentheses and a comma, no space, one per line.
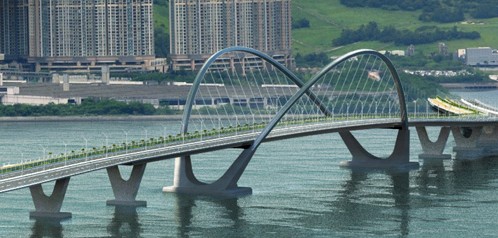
(328,18)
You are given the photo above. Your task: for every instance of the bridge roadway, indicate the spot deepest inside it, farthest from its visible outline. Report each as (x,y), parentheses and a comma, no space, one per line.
(61,170)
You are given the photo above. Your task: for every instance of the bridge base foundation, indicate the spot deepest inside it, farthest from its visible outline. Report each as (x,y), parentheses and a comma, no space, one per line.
(379,164)
(114,202)
(434,157)
(399,159)
(489,140)
(463,153)
(48,207)
(125,192)
(205,190)
(226,186)
(467,143)
(433,150)
(50,215)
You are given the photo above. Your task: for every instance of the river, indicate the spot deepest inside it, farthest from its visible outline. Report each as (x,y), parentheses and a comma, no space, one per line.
(299,190)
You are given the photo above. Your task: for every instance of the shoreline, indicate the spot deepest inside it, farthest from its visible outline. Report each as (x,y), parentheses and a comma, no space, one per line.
(116,118)
(91,118)
(470,86)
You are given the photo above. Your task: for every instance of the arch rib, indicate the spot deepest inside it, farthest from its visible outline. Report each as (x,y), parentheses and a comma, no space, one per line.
(319,75)
(197,81)
(228,182)
(400,155)
(184,178)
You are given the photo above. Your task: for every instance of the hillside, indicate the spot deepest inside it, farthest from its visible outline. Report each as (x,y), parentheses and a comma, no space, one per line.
(329,17)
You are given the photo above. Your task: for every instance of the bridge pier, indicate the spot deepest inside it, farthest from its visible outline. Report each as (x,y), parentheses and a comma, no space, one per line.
(400,158)
(467,143)
(125,191)
(489,140)
(49,206)
(185,182)
(433,150)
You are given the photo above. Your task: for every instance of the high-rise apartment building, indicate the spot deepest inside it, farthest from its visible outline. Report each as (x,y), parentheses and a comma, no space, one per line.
(14,32)
(199,28)
(79,34)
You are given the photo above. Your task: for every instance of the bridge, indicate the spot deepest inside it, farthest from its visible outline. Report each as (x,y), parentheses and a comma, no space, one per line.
(236,101)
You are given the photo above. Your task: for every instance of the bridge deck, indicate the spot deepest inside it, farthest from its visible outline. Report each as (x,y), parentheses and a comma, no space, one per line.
(26,178)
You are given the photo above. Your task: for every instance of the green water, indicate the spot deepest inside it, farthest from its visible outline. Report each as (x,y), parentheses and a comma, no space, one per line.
(298,191)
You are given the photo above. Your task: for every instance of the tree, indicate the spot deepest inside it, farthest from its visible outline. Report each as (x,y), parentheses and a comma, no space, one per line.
(301,23)
(161,43)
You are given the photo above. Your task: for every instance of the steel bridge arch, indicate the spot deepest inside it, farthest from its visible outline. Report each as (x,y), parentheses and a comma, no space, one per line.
(197,81)
(186,182)
(305,88)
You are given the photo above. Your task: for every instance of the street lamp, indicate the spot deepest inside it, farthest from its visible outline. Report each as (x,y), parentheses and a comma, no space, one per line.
(427,108)
(22,158)
(376,106)
(347,111)
(389,108)
(252,114)
(145,136)
(333,111)
(106,139)
(236,124)
(65,152)
(219,127)
(183,132)
(202,122)
(44,150)
(164,134)
(361,110)
(126,140)
(86,145)
(415,105)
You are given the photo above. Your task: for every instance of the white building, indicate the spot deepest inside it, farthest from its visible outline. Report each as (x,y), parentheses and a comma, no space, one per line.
(481,56)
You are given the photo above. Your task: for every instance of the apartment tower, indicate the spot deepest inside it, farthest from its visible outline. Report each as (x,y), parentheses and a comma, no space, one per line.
(79,34)
(14,32)
(199,28)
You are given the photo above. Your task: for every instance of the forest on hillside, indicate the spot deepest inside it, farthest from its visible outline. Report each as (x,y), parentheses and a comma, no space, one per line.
(161,37)
(434,10)
(422,35)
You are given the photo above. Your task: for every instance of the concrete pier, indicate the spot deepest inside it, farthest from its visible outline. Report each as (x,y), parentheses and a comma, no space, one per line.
(49,207)
(185,181)
(125,191)
(400,157)
(433,150)
(467,143)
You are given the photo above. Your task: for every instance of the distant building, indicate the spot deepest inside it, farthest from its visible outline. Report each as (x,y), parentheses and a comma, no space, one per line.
(410,51)
(461,53)
(443,49)
(200,28)
(481,56)
(14,33)
(393,52)
(78,34)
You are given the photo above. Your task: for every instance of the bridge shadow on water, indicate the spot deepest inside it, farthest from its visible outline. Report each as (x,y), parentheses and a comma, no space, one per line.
(230,211)
(125,223)
(47,228)
(384,203)
(378,202)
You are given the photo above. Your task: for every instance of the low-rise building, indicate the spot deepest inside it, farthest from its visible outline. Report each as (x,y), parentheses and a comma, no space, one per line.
(481,56)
